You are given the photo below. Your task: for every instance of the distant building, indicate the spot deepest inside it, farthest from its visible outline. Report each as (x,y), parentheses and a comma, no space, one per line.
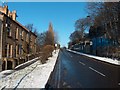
(15,40)
(82,46)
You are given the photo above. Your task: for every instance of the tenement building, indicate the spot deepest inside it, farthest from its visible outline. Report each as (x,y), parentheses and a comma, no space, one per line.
(16,41)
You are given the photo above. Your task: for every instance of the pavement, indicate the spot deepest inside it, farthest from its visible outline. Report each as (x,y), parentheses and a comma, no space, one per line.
(78,71)
(104,59)
(5,73)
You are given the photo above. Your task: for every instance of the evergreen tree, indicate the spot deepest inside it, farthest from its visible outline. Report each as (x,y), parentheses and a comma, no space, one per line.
(49,40)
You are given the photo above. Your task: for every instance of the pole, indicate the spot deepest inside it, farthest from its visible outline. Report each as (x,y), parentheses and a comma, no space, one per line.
(1,45)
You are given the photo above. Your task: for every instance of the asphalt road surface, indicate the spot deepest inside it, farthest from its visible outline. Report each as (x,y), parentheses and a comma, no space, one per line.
(78,71)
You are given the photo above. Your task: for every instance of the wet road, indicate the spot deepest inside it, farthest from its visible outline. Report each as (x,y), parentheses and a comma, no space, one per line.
(78,71)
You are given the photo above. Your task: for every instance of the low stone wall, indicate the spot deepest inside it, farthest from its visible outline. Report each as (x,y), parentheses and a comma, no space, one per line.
(0,66)
(11,63)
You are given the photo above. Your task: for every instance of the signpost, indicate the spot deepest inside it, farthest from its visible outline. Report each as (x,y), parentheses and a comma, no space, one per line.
(55,47)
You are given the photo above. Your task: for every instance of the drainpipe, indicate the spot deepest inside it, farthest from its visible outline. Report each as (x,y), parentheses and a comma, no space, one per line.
(1,44)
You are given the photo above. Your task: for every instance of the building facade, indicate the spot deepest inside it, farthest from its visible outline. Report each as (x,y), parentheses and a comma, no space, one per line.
(16,41)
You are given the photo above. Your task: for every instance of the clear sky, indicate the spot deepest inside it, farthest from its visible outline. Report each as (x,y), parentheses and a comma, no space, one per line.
(62,15)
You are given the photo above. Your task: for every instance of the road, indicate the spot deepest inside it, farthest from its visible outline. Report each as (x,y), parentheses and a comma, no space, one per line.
(78,71)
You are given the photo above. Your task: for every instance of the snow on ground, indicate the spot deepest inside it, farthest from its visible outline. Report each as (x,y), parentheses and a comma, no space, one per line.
(33,76)
(27,62)
(109,60)
(7,72)
(4,73)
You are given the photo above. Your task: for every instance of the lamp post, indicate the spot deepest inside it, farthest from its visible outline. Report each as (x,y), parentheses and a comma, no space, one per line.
(90,24)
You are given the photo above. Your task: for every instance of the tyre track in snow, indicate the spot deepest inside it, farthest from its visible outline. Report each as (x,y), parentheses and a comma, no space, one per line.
(24,77)
(33,68)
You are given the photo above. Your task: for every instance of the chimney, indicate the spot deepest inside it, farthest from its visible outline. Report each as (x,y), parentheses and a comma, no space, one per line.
(5,9)
(14,15)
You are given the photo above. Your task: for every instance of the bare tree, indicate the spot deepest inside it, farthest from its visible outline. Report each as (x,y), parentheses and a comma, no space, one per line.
(31,28)
(81,26)
(106,23)
(105,14)
(41,38)
(93,9)
(75,36)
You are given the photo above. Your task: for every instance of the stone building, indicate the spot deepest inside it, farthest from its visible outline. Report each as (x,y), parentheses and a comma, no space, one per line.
(16,41)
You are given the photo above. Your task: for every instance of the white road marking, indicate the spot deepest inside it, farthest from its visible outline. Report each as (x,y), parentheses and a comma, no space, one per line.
(81,63)
(97,71)
(119,84)
(59,74)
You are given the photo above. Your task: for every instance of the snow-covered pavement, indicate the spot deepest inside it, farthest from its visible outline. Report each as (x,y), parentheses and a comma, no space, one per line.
(109,60)
(33,76)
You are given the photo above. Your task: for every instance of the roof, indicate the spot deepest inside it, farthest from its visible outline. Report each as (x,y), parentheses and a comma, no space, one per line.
(19,24)
(25,28)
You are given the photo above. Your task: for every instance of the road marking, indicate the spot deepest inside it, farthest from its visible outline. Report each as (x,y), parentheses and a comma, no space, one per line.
(59,74)
(97,71)
(119,84)
(81,63)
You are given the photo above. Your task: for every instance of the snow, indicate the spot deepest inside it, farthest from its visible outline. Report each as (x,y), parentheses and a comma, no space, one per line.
(7,72)
(4,73)
(33,76)
(109,60)
(27,62)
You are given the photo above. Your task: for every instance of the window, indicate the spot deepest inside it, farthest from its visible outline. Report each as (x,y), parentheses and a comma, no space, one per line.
(5,50)
(27,37)
(8,27)
(9,52)
(31,48)
(20,49)
(8,32)
(31,38)
(22,33)
(17,51)
(35,40)
(35,48)
(16,35)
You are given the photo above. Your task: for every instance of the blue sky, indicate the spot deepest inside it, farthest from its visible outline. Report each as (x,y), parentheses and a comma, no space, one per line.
(62,15)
